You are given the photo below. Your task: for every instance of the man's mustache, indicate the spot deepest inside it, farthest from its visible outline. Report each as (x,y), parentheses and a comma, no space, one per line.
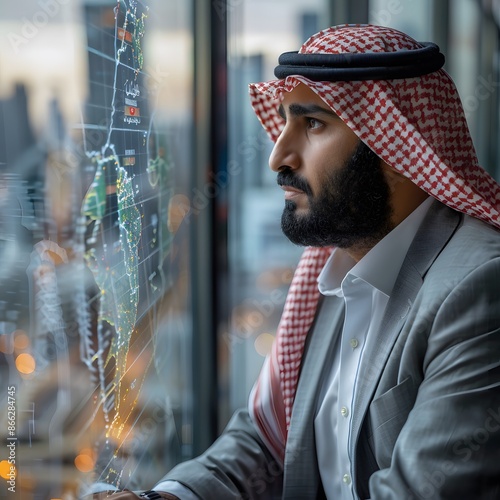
(287,178)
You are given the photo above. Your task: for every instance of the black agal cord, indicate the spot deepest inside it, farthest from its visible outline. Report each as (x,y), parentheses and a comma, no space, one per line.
(362,66)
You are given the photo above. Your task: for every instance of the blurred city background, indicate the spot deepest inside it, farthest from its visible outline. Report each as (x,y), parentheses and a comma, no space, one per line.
(143,270)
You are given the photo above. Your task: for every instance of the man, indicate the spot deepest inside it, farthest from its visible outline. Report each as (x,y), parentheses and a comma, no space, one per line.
(384,380)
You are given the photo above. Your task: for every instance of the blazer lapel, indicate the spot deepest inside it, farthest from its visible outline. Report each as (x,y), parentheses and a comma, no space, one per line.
(435,231)
(301,469)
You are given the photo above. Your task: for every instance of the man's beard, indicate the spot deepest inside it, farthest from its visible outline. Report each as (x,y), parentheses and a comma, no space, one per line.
(352,210)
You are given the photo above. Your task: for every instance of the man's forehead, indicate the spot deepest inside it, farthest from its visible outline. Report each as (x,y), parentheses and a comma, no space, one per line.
(304,108)
(299,92)
(302,100)
(302,94)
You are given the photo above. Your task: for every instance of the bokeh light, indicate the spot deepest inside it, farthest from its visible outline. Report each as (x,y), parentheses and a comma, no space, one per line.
(178,208)
(25,363)
(21,340)
(6,344)
(84,461)
(5,469)
(263,343)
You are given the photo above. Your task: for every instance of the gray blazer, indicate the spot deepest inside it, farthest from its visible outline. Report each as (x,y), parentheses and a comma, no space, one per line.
(426,415)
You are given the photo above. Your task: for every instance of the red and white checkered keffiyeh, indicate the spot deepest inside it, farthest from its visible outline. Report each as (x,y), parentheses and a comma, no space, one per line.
(417,126)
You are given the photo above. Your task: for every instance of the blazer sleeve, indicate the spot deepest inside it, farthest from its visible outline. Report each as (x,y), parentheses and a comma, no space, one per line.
(449,446)
(237,466)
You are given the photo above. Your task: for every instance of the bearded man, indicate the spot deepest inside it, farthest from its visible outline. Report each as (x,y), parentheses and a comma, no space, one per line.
(384,379)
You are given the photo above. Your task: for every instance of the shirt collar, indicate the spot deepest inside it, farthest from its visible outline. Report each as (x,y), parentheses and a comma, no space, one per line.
(381,265)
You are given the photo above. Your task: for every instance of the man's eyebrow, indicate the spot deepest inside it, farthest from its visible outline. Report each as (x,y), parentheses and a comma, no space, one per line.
(306,109)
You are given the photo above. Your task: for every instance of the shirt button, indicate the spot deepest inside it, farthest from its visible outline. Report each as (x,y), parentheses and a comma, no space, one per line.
(344,412)
(354,343)
(347,479)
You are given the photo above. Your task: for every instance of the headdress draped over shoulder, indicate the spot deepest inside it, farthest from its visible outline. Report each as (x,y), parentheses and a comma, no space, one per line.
(392,92)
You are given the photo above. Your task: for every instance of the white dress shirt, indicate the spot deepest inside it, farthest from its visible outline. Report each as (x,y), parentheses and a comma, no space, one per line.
(366,287)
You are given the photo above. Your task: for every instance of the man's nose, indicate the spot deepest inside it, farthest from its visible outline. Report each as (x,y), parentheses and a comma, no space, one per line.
(285,152)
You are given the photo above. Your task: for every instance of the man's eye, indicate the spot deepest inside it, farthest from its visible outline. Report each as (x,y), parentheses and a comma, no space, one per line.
(313,123)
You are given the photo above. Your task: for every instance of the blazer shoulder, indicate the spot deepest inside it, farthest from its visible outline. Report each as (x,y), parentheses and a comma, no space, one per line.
(474,243)
(472,251)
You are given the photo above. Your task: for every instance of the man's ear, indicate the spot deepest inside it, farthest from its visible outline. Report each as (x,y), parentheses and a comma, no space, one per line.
(394,179)
(405,195)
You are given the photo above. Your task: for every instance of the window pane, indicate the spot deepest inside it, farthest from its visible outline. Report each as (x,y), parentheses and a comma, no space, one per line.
(261,258)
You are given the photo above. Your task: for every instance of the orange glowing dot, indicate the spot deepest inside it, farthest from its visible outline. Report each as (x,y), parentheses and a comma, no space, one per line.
(6,344)
(21,340)
(25,363)
(263,343)
(178,208)
(7,471)
(84,461)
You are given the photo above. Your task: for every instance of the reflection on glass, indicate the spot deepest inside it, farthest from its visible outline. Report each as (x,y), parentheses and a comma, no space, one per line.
(94,282)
